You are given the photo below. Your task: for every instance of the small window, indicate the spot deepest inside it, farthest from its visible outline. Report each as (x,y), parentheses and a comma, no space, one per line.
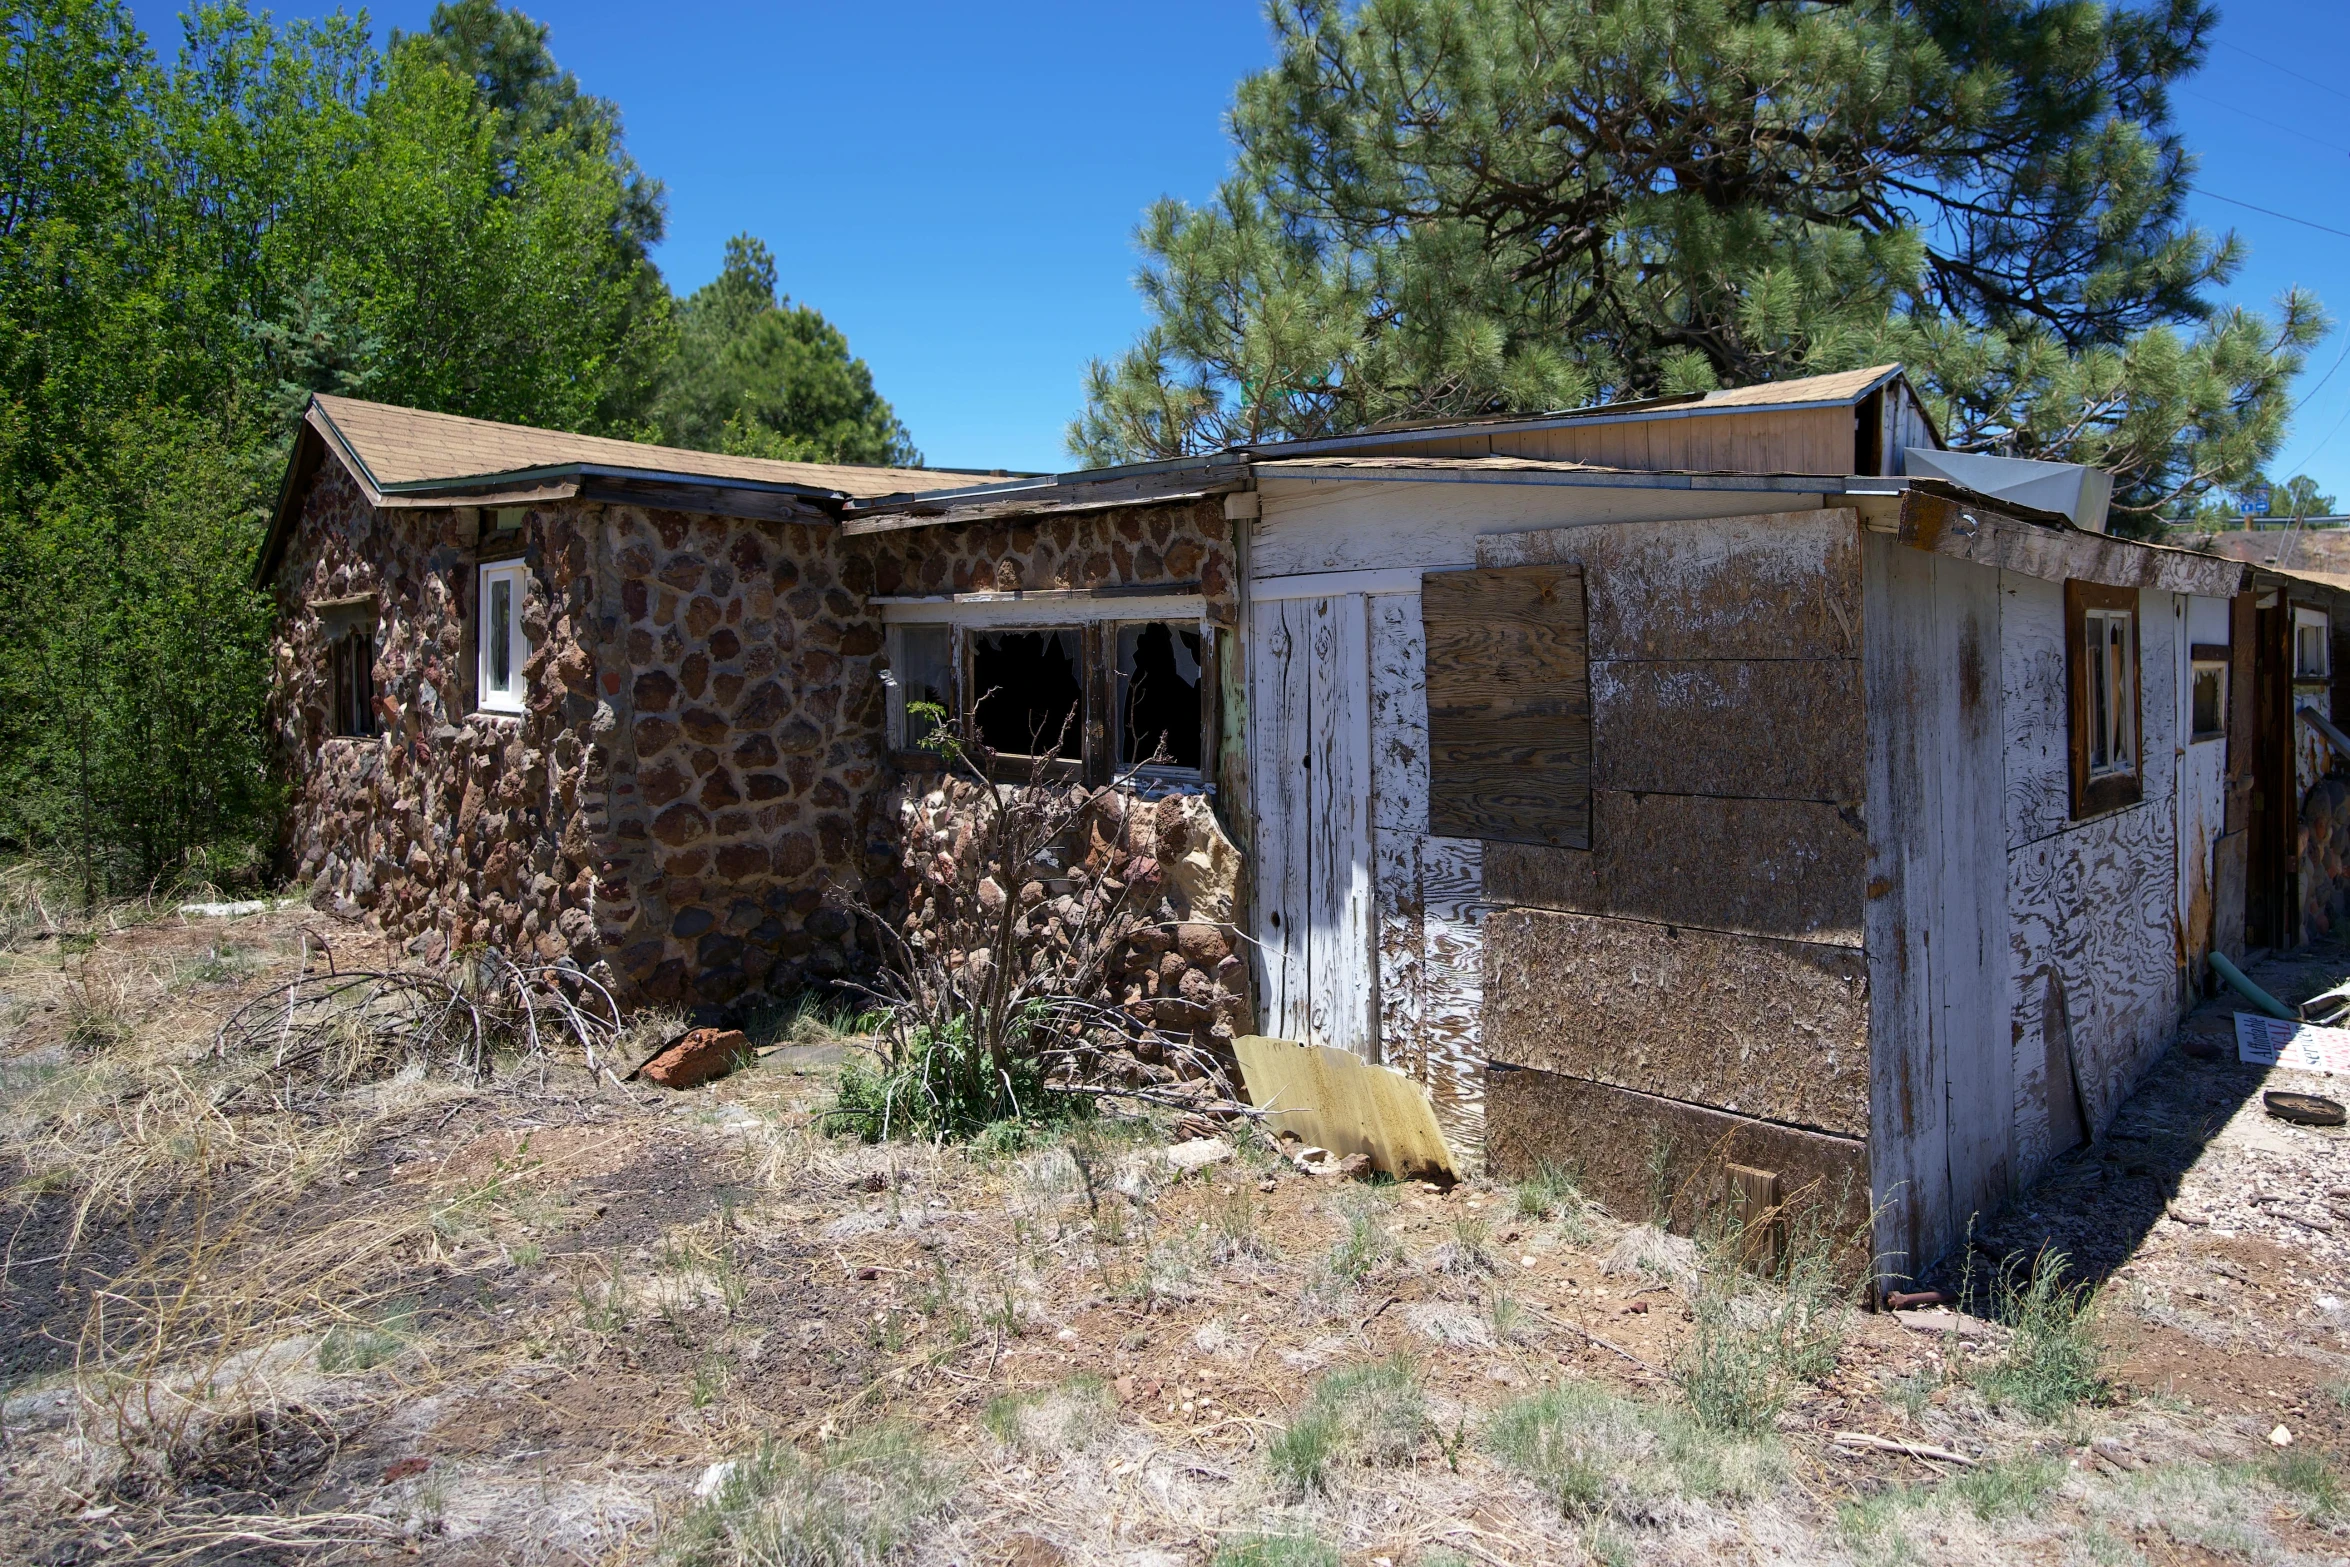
(2210,693)
(2102,651)
(921,672)
(351,673)
(2312,644)
(1159,716)
(503,647)
(1027,694)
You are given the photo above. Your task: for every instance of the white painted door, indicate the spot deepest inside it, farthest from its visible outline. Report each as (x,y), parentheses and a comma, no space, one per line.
(1310,718)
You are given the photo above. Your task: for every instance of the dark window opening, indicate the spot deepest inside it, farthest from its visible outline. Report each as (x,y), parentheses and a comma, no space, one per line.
(1026,696)
(351,674)
(1158,696)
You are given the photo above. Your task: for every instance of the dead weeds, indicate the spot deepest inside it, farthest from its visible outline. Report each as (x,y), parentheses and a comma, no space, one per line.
(408,1310)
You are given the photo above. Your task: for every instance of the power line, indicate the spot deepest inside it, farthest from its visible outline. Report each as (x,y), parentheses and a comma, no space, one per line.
(2269,212)
(2288,70)
(2274,125)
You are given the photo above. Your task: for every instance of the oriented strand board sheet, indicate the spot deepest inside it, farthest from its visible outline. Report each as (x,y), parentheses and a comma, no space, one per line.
(1336,1100)
(1760,1027)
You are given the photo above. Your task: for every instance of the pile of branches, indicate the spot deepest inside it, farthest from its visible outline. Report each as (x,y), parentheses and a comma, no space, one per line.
(345,1025)
(996,987)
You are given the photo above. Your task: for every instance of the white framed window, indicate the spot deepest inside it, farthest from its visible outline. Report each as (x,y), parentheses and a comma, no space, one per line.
(501,646)
(921,671)
(2312,644)
(2113,692)
(2210,699)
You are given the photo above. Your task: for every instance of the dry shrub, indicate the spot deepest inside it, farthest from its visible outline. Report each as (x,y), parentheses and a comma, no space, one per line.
(995,986)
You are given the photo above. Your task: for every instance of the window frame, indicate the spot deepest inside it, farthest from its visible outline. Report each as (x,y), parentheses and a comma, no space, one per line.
(1021,763)
(2097,790)
(351,674)
(1096,618)
(2208,658)
(2313,617)
(1116,719)
(502,704)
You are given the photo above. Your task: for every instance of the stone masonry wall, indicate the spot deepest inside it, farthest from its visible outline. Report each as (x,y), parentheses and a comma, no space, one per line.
(1180,869)
(747,755)
(449,826)
(702,768)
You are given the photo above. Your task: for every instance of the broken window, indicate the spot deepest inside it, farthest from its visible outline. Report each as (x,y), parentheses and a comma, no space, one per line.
(1159,696)
(2210,691)
(2312,657)
(503,646)
(1027,692)
(351,677)
(2102,652)
(921,675)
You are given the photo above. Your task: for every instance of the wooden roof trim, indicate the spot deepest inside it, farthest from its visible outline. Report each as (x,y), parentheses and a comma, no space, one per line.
(2057,551)
(1849,392)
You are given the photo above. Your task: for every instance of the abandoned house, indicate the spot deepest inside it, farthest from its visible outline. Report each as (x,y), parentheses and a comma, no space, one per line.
(1736,775)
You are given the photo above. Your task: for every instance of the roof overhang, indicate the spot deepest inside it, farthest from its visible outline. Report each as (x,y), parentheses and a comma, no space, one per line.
(1646,410)
(1093,489)
(760,500)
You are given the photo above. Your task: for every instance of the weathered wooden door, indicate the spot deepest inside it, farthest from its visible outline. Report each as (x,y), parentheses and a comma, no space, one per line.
(1310,710)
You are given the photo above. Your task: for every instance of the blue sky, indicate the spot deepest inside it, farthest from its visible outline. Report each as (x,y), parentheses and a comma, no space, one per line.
(956,186)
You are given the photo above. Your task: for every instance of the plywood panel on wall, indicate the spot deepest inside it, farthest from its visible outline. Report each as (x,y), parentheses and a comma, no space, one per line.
(1809,440)
(1509,705)
(1776,1029)
(1757,586)
(2093,906)
(1649,1157)
(1430,968)
(1762,867)
(1778,728)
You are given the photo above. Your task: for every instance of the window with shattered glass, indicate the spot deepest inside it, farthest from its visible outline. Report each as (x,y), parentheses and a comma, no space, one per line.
(1027,692)
(1159,696)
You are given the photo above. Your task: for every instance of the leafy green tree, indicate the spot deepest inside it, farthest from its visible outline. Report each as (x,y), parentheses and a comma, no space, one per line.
(761,377)
(1443,207)
(187,251)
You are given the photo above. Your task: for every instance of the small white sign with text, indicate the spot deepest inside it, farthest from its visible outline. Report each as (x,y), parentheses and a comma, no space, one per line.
(2276,1041)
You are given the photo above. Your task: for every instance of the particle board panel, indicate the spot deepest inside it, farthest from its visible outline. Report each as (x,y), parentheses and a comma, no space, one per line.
(1762,1027)
(1328,524)
(1508,698)
(1452,969)
(1791,868)
(1751,728)
(1650,1158)
(1772,585)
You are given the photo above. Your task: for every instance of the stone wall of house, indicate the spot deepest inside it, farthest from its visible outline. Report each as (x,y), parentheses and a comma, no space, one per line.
(1168,855)
(747,756)
(448,826)
(700,784)
(1128,547)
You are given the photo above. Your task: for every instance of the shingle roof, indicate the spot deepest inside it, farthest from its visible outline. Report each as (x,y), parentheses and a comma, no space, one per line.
(403,447)
(1842,387)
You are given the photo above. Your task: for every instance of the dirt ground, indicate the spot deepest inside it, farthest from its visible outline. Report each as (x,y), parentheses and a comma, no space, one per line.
(538,1320)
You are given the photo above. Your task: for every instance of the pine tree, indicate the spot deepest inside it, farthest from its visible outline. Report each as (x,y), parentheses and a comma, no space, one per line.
(762,377)
(1442,207)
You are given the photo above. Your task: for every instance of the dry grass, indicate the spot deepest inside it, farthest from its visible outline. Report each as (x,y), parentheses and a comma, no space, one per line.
(514,1318)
